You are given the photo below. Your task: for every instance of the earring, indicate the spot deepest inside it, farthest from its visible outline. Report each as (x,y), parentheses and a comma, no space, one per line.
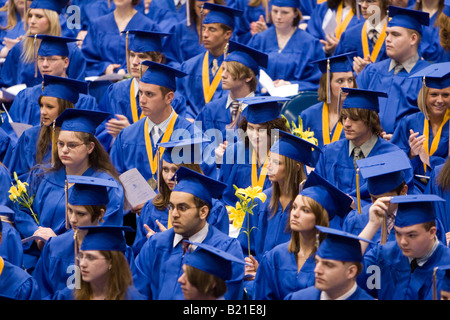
(317,243)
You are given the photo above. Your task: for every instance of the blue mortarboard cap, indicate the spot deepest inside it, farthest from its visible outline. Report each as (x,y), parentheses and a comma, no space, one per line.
(145,41)
(161,75)
(183,151)
(262,109)
(63,88)
(327,195)
(339,63)
(294,147)
(340,245)
(221,14)
(286,3)
(81,120)
(212,260)
(104,238)
(437,75)
(197,184)
(384,172)
(53,45)
(443,273)
(249,57)
(408,18)
(362,99)
(54,5)
(446,9)
(89,191)
(414,209)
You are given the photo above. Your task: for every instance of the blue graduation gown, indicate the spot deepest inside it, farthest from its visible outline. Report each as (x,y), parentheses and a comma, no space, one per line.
(237,170)
(54,269)
(49,202)
(430,47)
(159,265)
(15,71)
(312,293)
(416,122)
(6,142)
(402,91)
(441,209)
(11,246)
(129,151)
(277,274)
(218,217)
(270,230)
(351,41)
(250,14)
(293,63)
(185,41)
(315,22)
(191,86)
(13,33)
(67,294)
(396,280)
(104,44)
(16,283)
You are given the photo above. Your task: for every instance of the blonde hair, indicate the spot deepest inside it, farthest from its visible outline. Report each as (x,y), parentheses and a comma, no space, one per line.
(10,7)
(28,51)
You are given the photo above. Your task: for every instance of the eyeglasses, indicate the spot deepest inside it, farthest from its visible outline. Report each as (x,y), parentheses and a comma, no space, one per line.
(70,145)
(368,1)
(48,59)
(88,257)
(179,207)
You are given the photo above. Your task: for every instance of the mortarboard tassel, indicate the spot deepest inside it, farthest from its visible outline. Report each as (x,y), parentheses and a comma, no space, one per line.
(328,81)
(225,50)
(358,194)
(423,99)
(200,37)
(127,51)
(35,56)
(54,144)
(383,230)
(158,168)
(188,13)
(66,191)
(434,283)
(339,102)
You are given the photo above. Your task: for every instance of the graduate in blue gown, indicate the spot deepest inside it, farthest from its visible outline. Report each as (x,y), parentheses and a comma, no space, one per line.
(336,163)
(406,265)
(366,38)
(253,11)
(25,107)
(104,45)
(36,142)
(240,78)
(402,90)
(10,245)
(286,170)
(16,283)
(154,215)
(86,205)
(327,127)
(290,56)
(424,136)
(338,256)
(203,84)
(83,157)
(143,45)
(244,163)
(20,65)
(159,263)
(439,184)
(12,25)
(135,146)
(289,267)
(104,268)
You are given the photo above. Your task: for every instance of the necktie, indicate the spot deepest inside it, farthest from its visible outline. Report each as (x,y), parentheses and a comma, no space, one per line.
(178,4)
(357,154)
(234,107)
(156,133)
(215,66)
(390,222)
(373,36)
(185,245)
(398,68)
(414,265)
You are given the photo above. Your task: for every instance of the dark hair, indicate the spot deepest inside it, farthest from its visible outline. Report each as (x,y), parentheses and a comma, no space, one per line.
(443,179)
(369,117)
(205,283)
(279,123)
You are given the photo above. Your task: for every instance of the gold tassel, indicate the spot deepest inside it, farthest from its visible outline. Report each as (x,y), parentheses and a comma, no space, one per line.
(434,283)
(328,81)
(383,230)
(66,191)
(35,56)
(200,36)
(54,150)
(339,102)
(423,98)
(225,51)
(188,13)
(75,249)
(127,42)
(158,168)
(358,195)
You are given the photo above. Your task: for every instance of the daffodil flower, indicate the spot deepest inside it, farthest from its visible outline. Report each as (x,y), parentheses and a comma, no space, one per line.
(19,194)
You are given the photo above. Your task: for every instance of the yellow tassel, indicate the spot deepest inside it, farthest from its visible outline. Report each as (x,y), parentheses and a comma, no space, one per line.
(35,56)
(127,42)
(54,144)
(328,81)
(358,195)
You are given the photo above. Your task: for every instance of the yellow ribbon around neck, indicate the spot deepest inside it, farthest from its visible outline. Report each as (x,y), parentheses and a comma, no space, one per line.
(326,127)
(134,110)
(153,161)
(378,44)
(262,175)
(436,139)
(2,263)
(342,25)
(210,89)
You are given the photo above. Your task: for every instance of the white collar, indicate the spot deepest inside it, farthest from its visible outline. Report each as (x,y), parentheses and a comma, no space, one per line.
(243,105)
(198,237)
(345,296)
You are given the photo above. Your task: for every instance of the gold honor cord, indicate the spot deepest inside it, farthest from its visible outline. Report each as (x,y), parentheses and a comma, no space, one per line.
(258,181)
(378,45)
(2,264)
(436,139)
(148,143)
(134,111)
(210,89)
(326,127)
(342,25)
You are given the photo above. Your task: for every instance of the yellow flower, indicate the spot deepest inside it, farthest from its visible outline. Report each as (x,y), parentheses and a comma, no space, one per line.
(305,135)
(237,215)
(252,193)
(14,193)
(21,186)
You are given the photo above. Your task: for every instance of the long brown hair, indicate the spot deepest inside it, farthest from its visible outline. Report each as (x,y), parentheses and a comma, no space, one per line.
(205,283)
(119,278)
(443,179)
(369,117)
(443,22)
